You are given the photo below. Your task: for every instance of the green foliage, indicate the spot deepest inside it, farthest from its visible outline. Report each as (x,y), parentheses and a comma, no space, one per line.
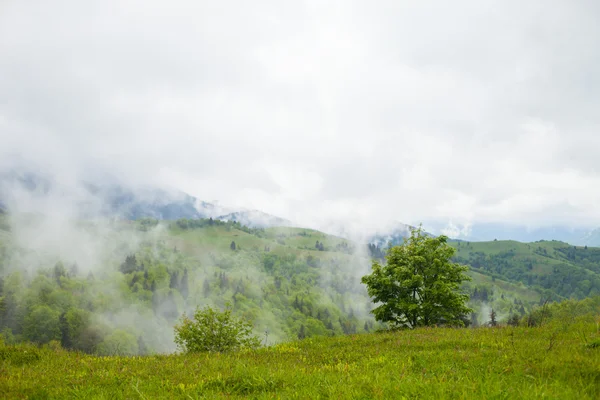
(553,268)
(118,342)
(143,288)
(564,313)
(419,285)
(42,325)
(214,331)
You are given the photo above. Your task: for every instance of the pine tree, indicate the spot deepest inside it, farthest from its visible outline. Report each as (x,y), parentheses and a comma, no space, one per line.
(474,322)
(65,338)
(184,286)
(142,348)
(173,281)
(493,321)
(302,332)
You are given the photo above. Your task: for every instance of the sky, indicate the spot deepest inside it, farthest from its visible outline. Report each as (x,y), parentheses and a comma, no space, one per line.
(465,112)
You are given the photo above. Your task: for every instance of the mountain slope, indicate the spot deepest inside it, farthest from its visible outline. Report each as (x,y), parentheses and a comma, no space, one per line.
(555,267)
(24,190)
(134,279)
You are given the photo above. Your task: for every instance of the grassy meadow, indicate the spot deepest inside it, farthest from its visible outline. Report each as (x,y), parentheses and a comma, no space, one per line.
(553,362)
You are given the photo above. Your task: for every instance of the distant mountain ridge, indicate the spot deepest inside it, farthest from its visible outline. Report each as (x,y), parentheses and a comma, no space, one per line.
(22,188)
(482,232)
(113,200)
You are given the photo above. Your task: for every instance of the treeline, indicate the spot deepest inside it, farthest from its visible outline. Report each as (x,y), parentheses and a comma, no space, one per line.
(186,224)
(561,313)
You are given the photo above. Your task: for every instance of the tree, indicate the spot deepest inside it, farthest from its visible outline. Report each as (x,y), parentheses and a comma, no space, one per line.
(513,320)
(59,271)
(214,331)
(118,343)
(184,286)
(419,285)
(42,325)
(173,284)
(130,264)
(493,321)
(302,332)
(206,288)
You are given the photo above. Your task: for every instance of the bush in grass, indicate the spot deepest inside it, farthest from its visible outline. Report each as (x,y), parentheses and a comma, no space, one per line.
(214,331)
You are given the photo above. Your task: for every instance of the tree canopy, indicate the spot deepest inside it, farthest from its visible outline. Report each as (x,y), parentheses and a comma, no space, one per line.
(419,285)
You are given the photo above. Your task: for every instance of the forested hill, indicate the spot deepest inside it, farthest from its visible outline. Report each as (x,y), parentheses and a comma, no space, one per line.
(119,286)
(99,286)
(556,269)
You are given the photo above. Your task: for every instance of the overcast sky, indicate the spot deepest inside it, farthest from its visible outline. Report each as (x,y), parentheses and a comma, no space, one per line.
(463,111)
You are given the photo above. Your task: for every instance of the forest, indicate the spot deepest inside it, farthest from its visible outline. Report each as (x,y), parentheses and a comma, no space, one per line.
(129,303)
(290,283)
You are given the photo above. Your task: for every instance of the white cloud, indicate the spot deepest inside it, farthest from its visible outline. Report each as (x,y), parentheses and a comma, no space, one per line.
(469,111)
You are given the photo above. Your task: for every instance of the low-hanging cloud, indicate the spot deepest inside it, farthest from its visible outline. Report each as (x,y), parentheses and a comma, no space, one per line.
(470,111)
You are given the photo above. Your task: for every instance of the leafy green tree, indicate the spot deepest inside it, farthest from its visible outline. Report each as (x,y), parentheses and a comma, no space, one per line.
(42,325)
(419,285)
(72,325)
(118,343)
(214,331)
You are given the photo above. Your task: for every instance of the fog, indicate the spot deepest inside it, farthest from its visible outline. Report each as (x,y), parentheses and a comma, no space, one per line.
(318,112)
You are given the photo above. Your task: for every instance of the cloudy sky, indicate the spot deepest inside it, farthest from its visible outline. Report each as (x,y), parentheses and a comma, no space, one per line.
(466,111)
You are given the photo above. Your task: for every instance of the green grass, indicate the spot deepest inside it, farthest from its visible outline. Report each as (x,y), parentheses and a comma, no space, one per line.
(499,363)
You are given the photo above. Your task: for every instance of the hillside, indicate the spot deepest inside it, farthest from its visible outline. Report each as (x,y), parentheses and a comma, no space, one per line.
(483,363)
(556,269)
(96,283)
(100,282)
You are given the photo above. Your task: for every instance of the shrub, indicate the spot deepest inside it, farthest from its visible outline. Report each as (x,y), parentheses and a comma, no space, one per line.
(214,331)
(118,343)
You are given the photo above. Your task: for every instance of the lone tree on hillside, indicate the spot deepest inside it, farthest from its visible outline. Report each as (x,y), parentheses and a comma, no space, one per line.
(419,285)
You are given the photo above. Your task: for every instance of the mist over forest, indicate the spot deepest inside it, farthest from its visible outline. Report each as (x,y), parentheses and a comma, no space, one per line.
(109,269)
(161,157)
